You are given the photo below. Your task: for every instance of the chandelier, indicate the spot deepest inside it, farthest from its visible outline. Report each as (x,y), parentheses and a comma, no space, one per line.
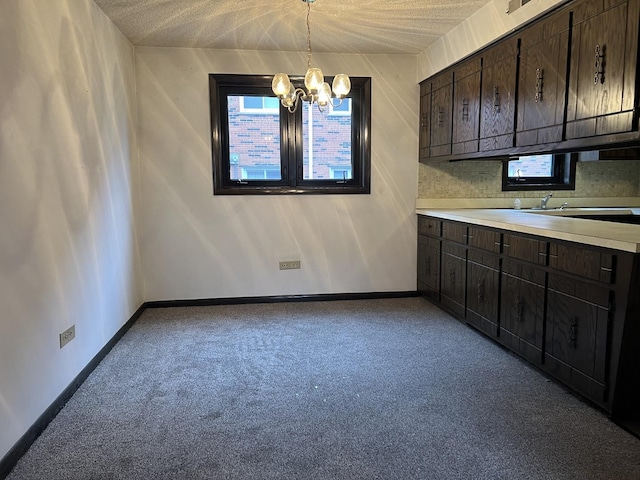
(318,91)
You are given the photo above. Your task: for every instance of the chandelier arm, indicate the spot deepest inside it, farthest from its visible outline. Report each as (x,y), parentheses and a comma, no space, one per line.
(298,94)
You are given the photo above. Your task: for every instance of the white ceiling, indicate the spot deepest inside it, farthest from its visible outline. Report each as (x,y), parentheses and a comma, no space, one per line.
(340,26)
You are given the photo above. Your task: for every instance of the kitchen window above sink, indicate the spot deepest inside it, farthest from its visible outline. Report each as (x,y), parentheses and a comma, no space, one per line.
(539,172)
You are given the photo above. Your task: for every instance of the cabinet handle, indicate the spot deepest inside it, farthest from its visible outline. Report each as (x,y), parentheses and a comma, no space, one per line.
(538,95)
(496,100)
(428,266)
(452,277)
(519,309)
(465,109)
(481,291)
(573,331)
(598,76)
(424,122)
(440,116)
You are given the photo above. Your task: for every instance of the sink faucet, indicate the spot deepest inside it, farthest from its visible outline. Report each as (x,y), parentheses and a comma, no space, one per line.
(544,200)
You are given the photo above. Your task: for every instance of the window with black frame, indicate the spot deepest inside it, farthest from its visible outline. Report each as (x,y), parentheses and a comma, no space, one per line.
(539,172)
(258,147)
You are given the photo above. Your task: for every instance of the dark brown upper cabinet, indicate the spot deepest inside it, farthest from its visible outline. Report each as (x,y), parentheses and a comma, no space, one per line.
(466,106)
(497,121)
(603,68)
(542,80)
(441,103)
(424,135)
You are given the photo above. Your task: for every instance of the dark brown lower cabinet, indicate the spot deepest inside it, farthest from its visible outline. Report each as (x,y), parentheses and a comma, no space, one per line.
(570,309)
(483,283)
(429,266)
(576,338)
(522,309)
(453,278)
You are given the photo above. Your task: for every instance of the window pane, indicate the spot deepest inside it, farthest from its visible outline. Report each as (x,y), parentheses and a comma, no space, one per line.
(271,103)
(254,141)
(252,103)
(531,166)
(327,143)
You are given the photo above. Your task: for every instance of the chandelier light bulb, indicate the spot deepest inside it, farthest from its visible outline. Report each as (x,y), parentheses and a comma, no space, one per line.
(281,84)
(341,85)
(289,100)
(324,94)
(313,80)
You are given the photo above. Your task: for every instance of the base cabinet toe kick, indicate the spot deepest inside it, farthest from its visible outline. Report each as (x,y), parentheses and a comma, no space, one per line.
(572,310)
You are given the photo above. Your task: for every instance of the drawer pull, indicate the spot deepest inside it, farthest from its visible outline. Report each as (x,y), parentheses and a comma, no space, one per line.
(481,291)
(538,96)
(573,332)
(606,269)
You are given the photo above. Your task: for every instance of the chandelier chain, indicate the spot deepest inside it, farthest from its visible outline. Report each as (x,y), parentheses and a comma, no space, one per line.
(308,34)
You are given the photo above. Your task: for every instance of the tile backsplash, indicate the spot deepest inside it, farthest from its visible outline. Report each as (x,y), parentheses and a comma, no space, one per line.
(483,179)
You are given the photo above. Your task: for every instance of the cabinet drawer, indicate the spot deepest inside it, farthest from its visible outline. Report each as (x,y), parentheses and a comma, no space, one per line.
(527,249)
(456,232)
(583,262)
(484,239)
(454,250)
(580,290)
(523,271)
(484,258)
(428,226)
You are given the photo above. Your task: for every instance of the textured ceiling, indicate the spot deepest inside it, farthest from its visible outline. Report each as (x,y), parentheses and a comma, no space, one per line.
(340,26)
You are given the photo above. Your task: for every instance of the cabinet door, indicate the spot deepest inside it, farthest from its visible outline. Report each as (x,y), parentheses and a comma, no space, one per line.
(453,278)
(456,232)
(544,50)
(576,337)
(525,248)
(425,121)
(466,107)
(429,226)
(429,267)
(497,122)
(441,102)
(522,310)
(489,240)
(584,262)
(483,292)
(603,68)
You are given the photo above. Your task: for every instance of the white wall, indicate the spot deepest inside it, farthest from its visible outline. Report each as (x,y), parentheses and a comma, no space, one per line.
(68,171)
(197,245)
(481,28)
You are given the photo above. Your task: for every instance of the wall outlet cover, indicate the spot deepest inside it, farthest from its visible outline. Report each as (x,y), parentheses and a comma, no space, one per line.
(68,335)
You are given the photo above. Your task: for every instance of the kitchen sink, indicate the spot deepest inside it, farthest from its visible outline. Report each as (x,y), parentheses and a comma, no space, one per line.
(620,215)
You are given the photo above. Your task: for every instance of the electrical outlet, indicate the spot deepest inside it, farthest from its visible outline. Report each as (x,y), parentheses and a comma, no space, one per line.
(290,265)
(68,335)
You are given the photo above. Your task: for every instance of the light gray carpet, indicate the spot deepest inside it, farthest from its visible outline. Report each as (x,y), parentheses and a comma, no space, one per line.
(367,389)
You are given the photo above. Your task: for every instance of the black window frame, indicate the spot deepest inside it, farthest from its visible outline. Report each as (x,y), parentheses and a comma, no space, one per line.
(291,141)
(563,178)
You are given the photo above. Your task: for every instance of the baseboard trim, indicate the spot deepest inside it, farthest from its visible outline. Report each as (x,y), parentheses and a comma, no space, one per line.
(11,458)
(322,297)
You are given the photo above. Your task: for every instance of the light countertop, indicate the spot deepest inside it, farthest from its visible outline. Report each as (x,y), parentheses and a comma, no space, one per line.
(551,224)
